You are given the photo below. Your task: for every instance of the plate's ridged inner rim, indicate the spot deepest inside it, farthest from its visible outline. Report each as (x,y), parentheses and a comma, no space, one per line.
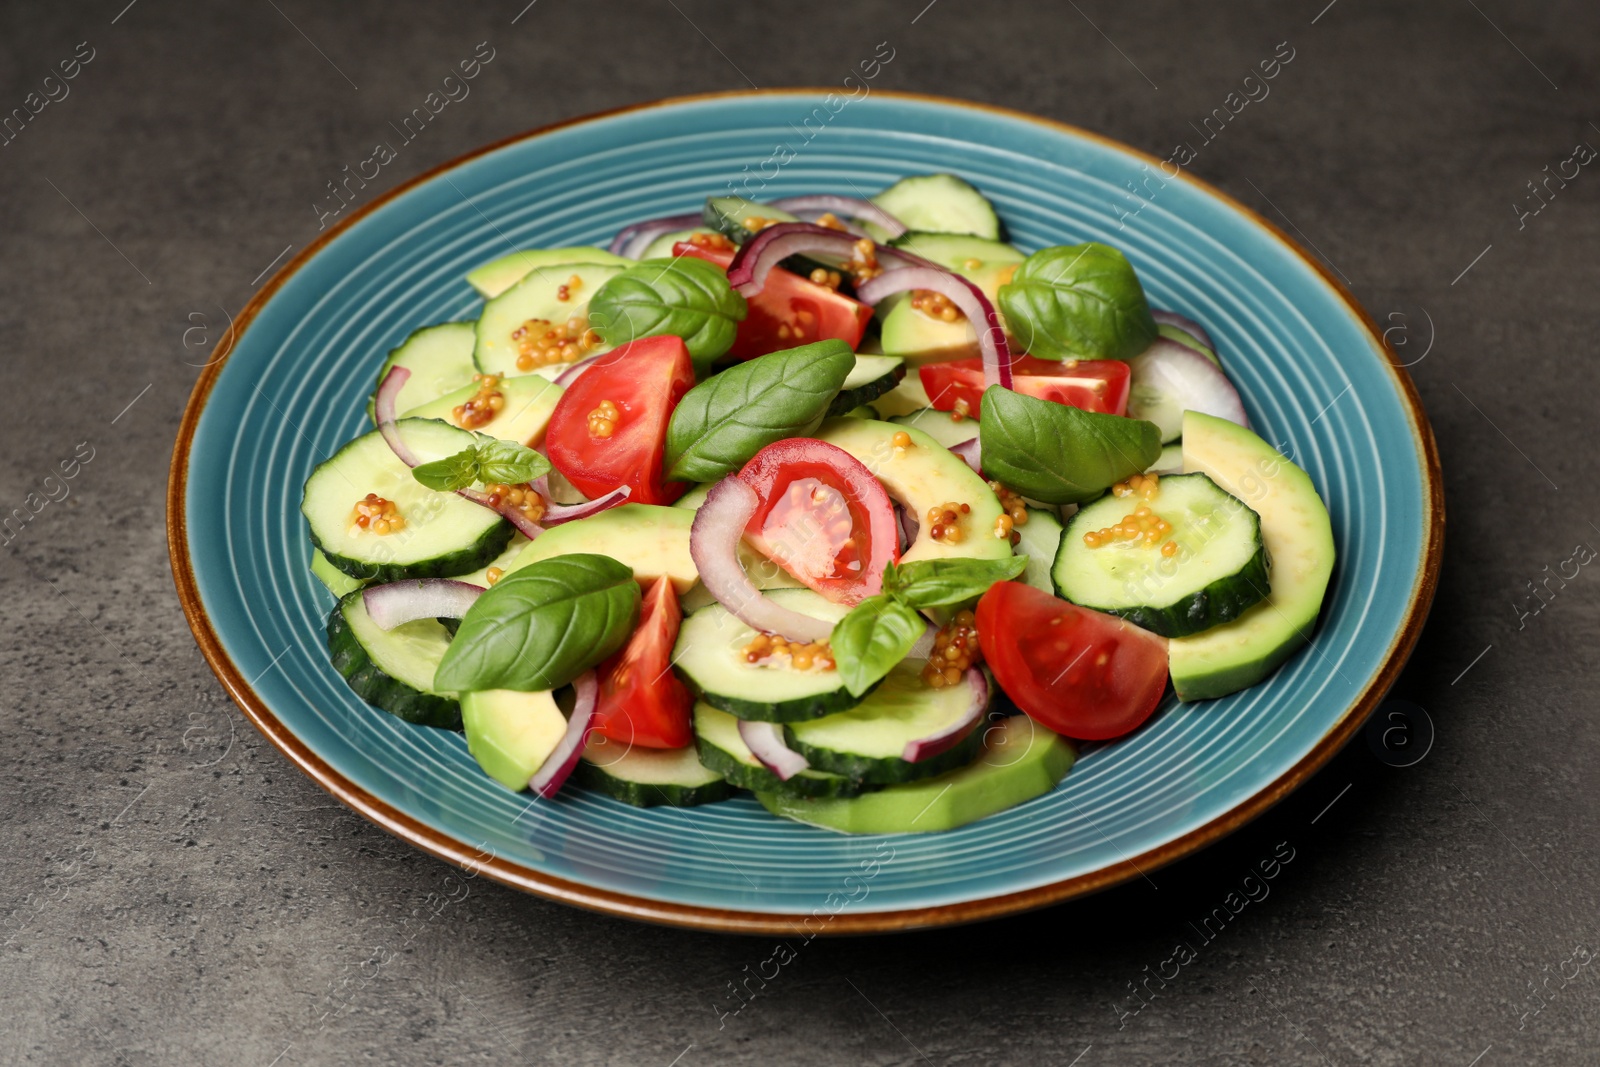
(1181,772)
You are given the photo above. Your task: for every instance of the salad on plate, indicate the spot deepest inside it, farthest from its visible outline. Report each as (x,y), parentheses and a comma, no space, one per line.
(847,503)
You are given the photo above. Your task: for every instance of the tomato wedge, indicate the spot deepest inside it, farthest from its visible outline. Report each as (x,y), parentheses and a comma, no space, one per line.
(789,311)
(1091,384)
(823,518)
(641,700)
(643,381)
(1079,672)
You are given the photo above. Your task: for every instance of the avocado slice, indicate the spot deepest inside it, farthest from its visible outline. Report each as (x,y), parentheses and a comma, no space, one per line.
(530,400)
(650,538)
(918,338)
(1020,760)
(538,296)
(511,734)
(946,427)
(496,276)
(1299,541)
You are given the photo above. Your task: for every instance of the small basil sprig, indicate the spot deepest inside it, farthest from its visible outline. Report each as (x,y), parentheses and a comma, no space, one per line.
(879,632)
(946,583)
(489,461)
(1060,454)
(541,626)
(726,419)
(1078,302)
(683,296)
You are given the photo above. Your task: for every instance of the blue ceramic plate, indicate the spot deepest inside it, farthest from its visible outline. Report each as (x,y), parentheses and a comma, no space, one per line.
(1309,363)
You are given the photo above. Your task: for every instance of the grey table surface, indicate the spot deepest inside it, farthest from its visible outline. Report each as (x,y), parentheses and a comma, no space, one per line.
(175,892)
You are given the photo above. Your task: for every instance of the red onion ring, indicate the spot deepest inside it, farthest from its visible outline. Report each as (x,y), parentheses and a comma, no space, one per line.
(971,451)
(906,525)
(546,781)
(384,414)
(1187,325)
(556,514)
(1192,377)
(631,241)
(968,298)
(756,257)
(396,603)
(766,743)
(505,510)
(848,206)
(927,747)
(714,546)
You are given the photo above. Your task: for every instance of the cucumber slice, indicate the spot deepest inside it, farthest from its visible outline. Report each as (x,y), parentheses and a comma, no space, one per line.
(716,735)
(536,299)
(940,203)
(907,398)
(870,378)
(646,777)
(865,742)
(511,734)
(439,359)
(1019,761)
(1219,569)
(726,215)
(946,427)
(530,400)
(444,535)
(1039,540)
(335,580)
(1184,337)
(496,276)
(392,669)
(1170,461)
(710,653)
(955,250)
(661,247)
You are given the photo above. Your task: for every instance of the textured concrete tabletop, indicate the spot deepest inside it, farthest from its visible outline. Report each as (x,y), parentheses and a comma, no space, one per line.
(174,892)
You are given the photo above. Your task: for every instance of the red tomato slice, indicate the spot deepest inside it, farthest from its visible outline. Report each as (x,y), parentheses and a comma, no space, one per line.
(641,701)
(823,518)
(1091,384)
(789,311)
(1076,671)
(643,380)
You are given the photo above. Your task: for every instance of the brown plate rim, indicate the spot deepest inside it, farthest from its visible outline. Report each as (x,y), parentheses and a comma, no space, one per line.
(750,922)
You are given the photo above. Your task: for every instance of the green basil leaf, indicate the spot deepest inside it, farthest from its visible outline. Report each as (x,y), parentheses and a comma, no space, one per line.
(449,474)
(1078,302)
(726,419)
(682,295)
(541,626)
(1060,454)
(508,463)
(944,583)
(869,641)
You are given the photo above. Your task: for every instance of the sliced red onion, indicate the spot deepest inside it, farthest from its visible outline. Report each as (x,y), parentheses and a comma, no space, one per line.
(396,603)
(766,743)
(923,648)
(505,509)
(971,451)
(756,257)
(1170,378)
(967,298)
(714,545)
(570,375)
(383,411)
(1187,325)
(631,241)
(548,778)
(927,747)
(556,514)
(846,206)
(906,524)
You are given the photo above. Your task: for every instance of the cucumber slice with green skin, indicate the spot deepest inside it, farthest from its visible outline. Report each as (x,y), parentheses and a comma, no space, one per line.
(1184,337)
(1040,541)
(333,579)
(392,669)
(536,298)
(1170,461)
(871,377)
(1019,760)
(661,247)
(439,359)
(530,400)
(496,276)
(710,654)
(866,742)
(716,736)
(511,734)
(726,215)
(1299,538)
(1220,568)
(647,777)
(444,534)
(943,426)
(907,398)
(953,250)
(941,203)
